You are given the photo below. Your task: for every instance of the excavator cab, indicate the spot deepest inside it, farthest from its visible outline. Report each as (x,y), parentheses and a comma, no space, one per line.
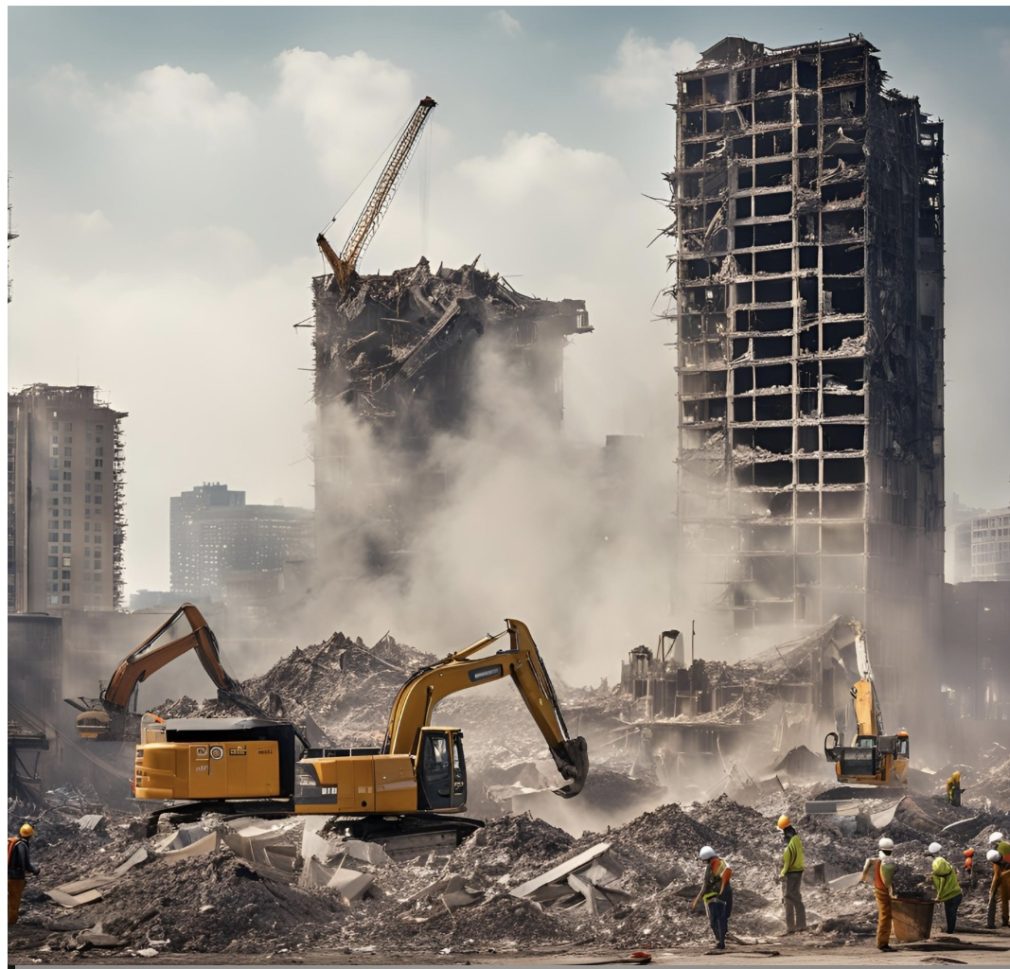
(441,770)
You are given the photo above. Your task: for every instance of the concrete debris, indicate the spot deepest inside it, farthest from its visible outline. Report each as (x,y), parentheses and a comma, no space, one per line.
(91,822)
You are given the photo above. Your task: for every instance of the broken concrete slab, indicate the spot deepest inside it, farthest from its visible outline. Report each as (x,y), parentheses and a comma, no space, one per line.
(351,884)
(92,822)
(73,901)
(98,938)
(561,871)
(203,846)
(86,884)
(140,856)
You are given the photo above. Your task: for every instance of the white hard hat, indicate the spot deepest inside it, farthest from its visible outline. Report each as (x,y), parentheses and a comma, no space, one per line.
(707,853)
(885,844)
(995,836)
(934,848)
(992,855)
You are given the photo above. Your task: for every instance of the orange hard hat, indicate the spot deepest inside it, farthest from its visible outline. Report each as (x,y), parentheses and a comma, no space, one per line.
(969,852)
(783,822)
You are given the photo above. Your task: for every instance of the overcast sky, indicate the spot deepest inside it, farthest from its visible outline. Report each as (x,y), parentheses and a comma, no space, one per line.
(171,168)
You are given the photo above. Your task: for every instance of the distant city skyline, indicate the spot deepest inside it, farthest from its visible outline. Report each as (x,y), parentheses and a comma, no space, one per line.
(171,167)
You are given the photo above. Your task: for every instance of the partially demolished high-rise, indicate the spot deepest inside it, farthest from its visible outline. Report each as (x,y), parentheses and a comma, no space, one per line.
(401,352)
(809,301)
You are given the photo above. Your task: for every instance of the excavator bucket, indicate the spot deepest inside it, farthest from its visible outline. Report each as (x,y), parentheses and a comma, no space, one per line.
(572,760)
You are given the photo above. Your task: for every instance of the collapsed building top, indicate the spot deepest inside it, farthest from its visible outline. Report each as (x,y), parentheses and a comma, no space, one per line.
(739,50)
(387,344)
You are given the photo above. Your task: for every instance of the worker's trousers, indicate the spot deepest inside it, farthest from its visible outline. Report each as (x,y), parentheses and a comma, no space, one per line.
(1000,890)
(15,886)
(950,912)
(792,899)
(719,910)
(883,918)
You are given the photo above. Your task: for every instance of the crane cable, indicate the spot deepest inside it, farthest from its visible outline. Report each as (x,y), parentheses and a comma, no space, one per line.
(385,151)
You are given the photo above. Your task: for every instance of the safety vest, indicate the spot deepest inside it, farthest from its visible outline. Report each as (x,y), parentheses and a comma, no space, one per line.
(792,857)
(714,872)
(883,875)
(945,881)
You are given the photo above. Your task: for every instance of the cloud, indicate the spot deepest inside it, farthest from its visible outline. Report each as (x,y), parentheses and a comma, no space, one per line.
(505,22)
(643,72)
(90,223)
(172,96)
(162,99)
(531,165)
(350,105)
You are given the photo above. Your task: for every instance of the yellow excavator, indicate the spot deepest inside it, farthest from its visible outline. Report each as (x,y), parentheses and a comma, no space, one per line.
(249,765)
(108,717)
(874,758)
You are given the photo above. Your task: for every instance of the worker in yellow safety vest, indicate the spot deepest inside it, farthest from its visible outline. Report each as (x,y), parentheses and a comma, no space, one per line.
(881,870)
(791,876)
(948,889)
(954,789)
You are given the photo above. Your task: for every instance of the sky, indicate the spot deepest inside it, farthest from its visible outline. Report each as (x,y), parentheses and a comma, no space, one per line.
(170,168)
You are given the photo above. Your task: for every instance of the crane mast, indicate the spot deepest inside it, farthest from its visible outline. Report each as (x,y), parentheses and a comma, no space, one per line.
(345,264)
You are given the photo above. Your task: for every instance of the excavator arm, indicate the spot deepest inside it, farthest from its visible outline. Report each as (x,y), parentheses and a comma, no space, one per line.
(416,701)
(107,718)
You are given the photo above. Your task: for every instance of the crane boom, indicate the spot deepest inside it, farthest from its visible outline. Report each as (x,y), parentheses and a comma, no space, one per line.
(345,264)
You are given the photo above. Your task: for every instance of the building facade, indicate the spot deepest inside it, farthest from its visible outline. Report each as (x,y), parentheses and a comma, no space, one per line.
(215,535)
(65,520)
(990,546)
(809,307)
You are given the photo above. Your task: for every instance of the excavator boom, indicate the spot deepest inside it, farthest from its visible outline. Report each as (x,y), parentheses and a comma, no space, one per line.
(414,704)
(107,718)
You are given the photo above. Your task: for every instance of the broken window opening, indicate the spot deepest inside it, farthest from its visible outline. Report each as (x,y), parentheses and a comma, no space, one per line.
(780,375)
(806,138)
(837,65)
(713,122)
(704,411)
(773,233)
(843,295)
(693,123)
(842,569)
(741,351)
(844,471)
(808,567)
(774,263)
(808,472)
(844,260)
(844,437)
(847,194)
(773,291)
(806,110)
(743,207)
(845,102)
(773,440)
(837,405)
(807,439)
(808,405)
(808,260)
(773,77)
(764,320)
(743,409)
(742,147)
(744,293)
(773,174)
(776,408)
(700,384)
(774,575)
(716,89)
(773,110)
(773,348)
(847,337)
(692,92)
(842,227)
(693,153)
(768,538)
(743,377)
(808,294)
(806,74)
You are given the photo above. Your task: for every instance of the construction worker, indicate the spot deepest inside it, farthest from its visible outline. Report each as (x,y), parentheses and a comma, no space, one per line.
(19,863)
(717,894)
(968,869)
(791,877)
(948,890)
(881,870)
(954,789)
(997,841)
(999,889)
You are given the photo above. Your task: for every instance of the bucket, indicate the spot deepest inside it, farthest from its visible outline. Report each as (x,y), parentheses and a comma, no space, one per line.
(912,919)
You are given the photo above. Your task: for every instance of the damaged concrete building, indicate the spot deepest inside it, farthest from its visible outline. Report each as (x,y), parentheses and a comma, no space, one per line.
(401,352)
(809,307)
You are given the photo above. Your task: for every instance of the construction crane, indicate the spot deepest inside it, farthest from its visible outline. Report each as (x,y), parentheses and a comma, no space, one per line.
(345,264)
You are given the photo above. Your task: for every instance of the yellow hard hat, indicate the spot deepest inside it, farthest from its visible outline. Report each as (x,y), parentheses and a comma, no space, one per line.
(26,830)
(783,822)
(956,775)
